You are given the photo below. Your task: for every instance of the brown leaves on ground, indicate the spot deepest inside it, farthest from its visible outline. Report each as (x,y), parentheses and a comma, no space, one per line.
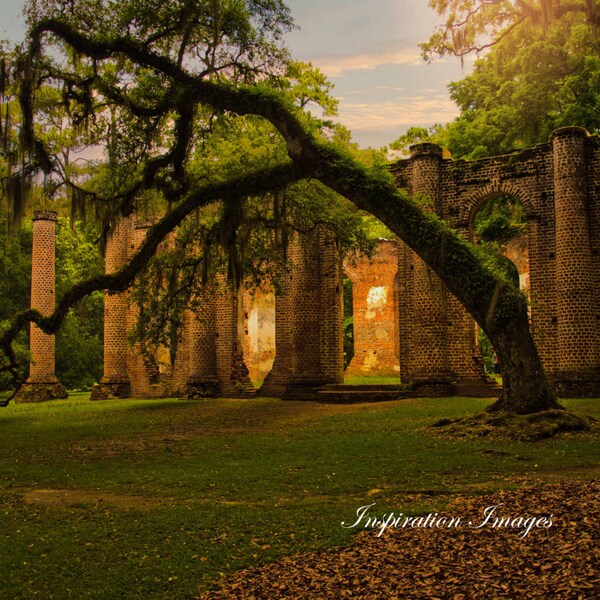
(561,561)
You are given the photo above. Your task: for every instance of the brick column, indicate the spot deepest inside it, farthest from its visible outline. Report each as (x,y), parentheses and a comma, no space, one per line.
(308,319)
(464,358)
(578,344)
(317,313)
(42,383)
(115,382)
(331,309)
(232,372)
(429,350)
(201,347)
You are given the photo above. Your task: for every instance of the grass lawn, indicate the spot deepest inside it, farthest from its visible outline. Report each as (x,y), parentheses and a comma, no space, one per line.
(158,498)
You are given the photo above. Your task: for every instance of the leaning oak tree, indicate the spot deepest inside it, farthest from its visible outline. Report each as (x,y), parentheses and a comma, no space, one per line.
(158,66)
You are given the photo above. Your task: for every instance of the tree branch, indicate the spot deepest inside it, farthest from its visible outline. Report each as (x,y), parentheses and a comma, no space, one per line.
(265,180)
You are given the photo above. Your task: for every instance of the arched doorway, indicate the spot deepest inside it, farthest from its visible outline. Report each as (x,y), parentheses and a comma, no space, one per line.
(499,227)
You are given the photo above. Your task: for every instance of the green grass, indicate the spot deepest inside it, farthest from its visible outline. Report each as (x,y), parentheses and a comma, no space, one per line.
(157,499)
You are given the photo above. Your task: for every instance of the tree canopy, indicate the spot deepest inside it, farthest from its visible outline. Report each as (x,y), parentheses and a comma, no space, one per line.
(539,70)
(155,89)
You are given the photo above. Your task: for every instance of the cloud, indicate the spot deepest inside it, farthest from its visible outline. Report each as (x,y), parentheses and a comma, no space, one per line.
(396,115)
(334,66)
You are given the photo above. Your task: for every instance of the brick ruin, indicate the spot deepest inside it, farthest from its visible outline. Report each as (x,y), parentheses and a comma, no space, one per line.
(406,324)
(42,383)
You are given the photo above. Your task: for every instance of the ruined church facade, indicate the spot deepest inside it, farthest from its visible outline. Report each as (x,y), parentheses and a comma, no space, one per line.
(405,322)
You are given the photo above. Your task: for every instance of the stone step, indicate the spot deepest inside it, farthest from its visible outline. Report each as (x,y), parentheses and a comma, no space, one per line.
(478,389)
(351,387)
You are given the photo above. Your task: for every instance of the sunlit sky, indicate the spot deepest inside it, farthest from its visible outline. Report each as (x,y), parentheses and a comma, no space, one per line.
(369,50)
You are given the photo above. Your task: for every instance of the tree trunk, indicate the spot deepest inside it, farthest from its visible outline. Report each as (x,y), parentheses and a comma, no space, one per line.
(498,307)
(525,386)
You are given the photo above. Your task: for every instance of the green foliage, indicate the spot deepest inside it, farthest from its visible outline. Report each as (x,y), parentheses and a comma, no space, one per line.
(79,342)
(492,257)
(309,87)
(499,220)
(540,74)
(418,135)
(15,278)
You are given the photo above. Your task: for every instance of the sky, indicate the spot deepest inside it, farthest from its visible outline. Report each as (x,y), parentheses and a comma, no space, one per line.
(369,51)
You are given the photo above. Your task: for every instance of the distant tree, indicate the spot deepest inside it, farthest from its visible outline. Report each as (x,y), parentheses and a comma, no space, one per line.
(541,70)
(476,25)
(419,135)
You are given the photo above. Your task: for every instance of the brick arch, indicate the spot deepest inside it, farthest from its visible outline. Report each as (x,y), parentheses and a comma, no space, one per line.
(349,271)
(558,183)
(474,203)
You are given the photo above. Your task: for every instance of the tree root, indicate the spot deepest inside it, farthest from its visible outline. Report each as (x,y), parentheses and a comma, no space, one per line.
(532,427)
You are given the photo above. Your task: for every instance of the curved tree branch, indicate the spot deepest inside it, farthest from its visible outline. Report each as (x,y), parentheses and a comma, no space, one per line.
(266,180)
(499,308)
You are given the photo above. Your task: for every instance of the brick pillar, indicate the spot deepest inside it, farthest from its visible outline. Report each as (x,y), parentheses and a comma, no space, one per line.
(375,312)
(115,382)
(578,344)
(331,308)
(464,358)
(42,383)
(232,372)
(145,375)
(200,336)
(308,319)
(429,349)
(317,311)
(404,294)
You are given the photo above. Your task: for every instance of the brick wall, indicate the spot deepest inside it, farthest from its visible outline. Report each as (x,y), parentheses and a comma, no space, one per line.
(557,183)
(374,303)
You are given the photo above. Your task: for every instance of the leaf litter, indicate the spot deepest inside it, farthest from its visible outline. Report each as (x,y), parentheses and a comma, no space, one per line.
(561,561)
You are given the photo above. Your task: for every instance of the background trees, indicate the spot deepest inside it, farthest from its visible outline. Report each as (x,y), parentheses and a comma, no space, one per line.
(540,70)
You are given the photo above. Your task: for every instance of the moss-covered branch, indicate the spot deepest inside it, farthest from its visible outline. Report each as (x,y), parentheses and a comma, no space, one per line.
(266,180)
(498,307)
